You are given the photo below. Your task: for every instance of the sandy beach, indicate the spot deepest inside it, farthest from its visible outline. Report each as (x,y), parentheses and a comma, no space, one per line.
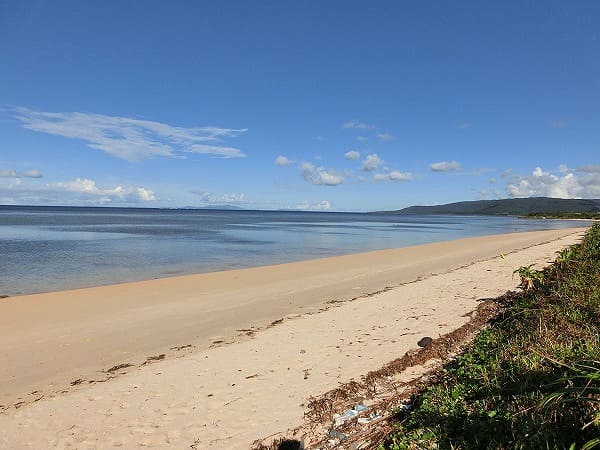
(221,359)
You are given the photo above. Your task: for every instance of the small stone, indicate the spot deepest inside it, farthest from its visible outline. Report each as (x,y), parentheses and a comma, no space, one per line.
(424,342)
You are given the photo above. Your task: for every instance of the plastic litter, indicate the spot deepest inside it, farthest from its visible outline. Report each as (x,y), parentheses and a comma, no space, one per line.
(360,408)
(335,434)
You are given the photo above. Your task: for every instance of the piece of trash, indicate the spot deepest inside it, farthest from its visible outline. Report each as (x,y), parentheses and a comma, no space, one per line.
(335,434)
(405,407)
(363,420)
(424,342)
(360,408)
(348,415)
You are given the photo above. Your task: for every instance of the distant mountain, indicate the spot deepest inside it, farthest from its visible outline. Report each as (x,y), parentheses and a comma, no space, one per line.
(219,207)
(507,207)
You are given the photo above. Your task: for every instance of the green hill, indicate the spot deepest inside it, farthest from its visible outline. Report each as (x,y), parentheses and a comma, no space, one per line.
(508,207)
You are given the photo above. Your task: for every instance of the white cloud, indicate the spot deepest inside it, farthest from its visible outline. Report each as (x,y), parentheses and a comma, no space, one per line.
(355,124)
(352,155)
(371,162)
(319,176)
(305,205)
(444,166)
(394,175)
(131,139)
(119,193)
(283,161)
(78,191)
(561,184)
(11,173)
(385,137)
(362,138)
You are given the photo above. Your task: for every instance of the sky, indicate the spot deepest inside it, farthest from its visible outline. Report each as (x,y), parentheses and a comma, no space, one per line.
(337,105)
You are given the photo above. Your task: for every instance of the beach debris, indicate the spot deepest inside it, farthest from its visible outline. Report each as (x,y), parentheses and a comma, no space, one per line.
(302,351)
(306,373)
(119,367)
(290,444)
(154,358)
(405,407)
(424,342)
(363,420)
(76,382)
(337,435)
(181,347)
(349,414)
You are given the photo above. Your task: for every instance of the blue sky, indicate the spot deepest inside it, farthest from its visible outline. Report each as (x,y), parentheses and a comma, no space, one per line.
(351,106)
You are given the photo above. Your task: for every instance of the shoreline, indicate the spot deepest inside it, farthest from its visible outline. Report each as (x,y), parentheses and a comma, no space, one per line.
(88,278)
(75,340)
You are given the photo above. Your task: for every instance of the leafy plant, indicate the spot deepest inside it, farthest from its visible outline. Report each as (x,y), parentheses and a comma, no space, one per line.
(530,278)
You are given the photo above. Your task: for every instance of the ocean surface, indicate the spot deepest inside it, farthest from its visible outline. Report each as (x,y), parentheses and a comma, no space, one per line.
(53,248)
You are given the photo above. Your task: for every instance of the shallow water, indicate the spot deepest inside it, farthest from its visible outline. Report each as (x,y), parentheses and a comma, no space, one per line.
(52,248)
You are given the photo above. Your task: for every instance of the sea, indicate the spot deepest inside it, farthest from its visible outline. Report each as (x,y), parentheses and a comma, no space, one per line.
(46,249)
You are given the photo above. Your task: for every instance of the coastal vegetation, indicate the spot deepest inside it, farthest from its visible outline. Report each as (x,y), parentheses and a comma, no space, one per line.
(531,379)
(584,215)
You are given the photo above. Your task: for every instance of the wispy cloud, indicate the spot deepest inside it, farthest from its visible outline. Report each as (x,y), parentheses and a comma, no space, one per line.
(11,173)
(385,137)
(394,175)
(323,205)
(362,138)
(283,161)
(563,183)
(371,162)
(212,198)
(560,123)
(590,168)
(355,124)
(320,176)
(444,166)
(352,155)
(131,139)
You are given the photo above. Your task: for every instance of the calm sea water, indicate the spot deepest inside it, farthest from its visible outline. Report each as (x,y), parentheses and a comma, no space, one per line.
(52,248)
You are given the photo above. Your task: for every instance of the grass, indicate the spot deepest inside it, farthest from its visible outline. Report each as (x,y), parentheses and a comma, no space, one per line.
(529,381)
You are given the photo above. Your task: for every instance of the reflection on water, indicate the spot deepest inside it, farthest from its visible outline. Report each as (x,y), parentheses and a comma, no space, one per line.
(44,248)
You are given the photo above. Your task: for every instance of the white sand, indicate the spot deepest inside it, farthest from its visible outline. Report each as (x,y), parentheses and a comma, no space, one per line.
(229,395)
